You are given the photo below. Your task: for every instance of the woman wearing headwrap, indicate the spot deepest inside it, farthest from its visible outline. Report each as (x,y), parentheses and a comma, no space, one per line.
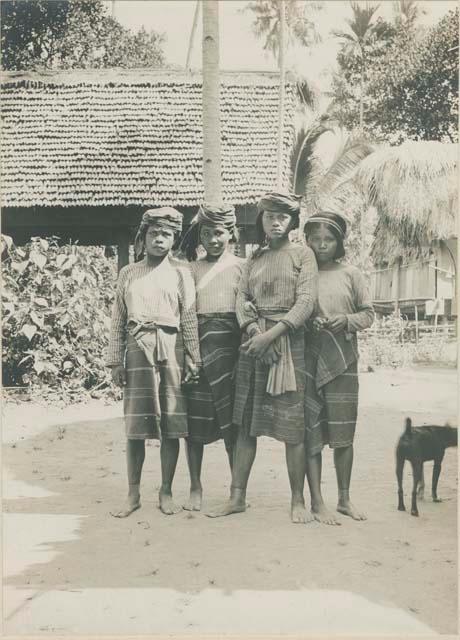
(153,343)
(331,356)
(216,276)
(276,296)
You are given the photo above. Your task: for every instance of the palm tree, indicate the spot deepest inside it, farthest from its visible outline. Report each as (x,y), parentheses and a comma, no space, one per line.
(359,36)
(407,13)
(326,186)
(267,22)
(212,176)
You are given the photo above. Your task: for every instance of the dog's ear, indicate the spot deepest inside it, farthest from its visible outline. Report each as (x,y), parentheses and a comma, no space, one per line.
(408,426)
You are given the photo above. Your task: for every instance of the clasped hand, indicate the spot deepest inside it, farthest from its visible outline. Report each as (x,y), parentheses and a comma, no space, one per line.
(335,323)
(262,348)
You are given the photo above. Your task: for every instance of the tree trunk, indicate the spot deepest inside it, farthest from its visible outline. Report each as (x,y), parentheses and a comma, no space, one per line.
(282,72)
(192,36)
(212,176)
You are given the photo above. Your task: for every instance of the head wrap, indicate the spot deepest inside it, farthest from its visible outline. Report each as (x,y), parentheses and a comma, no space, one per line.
(283,202)
(330,218)
(165,217)
(222,215)
(280,201)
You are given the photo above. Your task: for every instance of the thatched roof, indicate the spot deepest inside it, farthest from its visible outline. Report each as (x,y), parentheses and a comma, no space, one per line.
(415,189)
(134,137)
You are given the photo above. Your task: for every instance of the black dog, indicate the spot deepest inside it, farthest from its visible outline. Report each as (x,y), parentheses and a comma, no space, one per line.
(418,445)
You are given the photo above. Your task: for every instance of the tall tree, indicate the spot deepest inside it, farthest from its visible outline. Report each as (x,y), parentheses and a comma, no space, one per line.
(212,176)
(71,34)
(300,28)
(407,13)
(413,91)
(357,40)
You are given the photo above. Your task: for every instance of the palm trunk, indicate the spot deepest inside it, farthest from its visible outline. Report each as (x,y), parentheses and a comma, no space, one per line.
(282,71)
(192,36)
(212,176)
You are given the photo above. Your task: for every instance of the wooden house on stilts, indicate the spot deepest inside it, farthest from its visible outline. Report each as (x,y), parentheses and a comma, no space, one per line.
(84,153)
(415,189)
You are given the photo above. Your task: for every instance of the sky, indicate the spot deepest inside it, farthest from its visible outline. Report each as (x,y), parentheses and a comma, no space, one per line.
(239,48)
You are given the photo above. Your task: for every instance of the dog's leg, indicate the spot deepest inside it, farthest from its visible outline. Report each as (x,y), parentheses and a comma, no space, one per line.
(417,472)
(434,482)
(421,486)
(399,475)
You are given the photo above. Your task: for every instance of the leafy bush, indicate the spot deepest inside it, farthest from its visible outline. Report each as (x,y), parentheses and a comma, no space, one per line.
(390,342)
(56,303)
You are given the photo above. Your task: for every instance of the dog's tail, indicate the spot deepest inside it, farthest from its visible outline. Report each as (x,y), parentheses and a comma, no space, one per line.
(408,425)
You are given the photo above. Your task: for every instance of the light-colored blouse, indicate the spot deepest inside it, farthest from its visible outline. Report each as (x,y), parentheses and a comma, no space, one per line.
(343,290)
(283,280)
(216,283)
(164,294)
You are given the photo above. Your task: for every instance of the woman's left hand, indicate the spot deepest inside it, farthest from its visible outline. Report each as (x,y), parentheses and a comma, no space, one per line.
(192,371)
(257,345)
(337,323)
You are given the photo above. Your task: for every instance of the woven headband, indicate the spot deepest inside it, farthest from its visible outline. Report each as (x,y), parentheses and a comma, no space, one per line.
(331,223)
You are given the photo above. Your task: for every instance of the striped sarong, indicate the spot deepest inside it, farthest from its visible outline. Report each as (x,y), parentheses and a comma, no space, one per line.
(140,407)
(331,393)
(210,402)
(261,414)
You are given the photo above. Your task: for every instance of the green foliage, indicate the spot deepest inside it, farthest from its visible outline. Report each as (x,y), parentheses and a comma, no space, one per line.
(56,305)
(414,90)
(72,34)
(361,49)
(299,27)
(410,81)
(390,342)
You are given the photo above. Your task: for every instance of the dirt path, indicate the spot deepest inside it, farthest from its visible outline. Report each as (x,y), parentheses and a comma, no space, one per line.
(393,573)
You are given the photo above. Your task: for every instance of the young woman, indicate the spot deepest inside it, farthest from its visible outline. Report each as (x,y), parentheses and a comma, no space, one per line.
(216,276)
(331,356)
(276,296)
(153,323)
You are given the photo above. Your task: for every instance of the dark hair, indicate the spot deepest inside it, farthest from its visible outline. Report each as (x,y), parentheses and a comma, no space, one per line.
(311,226)
(192,240)
(261,240)
(139,245)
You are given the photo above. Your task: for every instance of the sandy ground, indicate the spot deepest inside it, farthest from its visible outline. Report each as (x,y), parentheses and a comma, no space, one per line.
(71,568)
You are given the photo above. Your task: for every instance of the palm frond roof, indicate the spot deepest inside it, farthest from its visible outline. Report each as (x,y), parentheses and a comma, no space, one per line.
(134,137)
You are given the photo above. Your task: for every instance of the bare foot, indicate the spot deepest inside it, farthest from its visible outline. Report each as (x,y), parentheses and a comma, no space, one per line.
(322,514)
(167,504)
(132,504)
(348,509)
(299,514)
(436,499)
(194,501)
(234,505)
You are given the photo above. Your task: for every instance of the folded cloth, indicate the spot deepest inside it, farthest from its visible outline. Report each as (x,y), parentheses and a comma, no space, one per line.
(281,374)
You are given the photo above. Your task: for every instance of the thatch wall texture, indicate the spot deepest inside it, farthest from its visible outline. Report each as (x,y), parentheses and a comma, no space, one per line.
(134,138)
(415,189)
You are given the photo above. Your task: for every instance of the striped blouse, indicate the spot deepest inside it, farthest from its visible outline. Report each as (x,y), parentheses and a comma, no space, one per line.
(216,283)
(164,294)
(343,290)
(279,280)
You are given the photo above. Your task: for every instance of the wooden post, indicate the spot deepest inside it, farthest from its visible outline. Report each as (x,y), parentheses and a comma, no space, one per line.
(242,242)
(396,284)
(123,248)
(282,71)
(212,172)
(416,324)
